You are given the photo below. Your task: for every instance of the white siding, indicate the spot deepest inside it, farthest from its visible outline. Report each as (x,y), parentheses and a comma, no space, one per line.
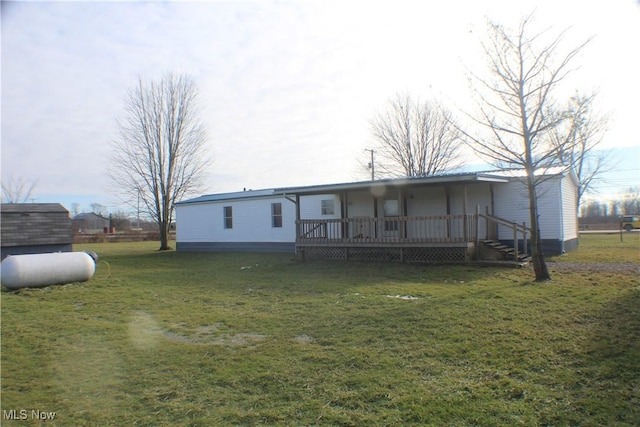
(311,207)
(360,204)
(252,221)
(479,195)
(569,208)
(512,204)
(426,201)
(193,222)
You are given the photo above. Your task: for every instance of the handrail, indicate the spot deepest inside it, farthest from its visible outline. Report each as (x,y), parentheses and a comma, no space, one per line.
(392,229)
(309,232)
(505,222)
(515,227)
(409,229)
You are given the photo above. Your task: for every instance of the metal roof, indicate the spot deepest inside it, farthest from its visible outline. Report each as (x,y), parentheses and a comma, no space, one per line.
(497,176)
(238,195)
(397,183)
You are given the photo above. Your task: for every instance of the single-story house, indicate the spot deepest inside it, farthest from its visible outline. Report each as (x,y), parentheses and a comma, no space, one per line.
(31,228)
(90,223)
(450,218)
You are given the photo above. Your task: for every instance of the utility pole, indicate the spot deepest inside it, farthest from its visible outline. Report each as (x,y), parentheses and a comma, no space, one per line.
(371,164)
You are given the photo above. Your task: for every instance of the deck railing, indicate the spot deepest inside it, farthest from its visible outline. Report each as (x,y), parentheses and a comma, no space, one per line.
(388,230)
(515,231)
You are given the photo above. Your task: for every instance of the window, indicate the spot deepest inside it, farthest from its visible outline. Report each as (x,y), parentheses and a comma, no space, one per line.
(327,207)
(391,209)
(276,215)
(228,217)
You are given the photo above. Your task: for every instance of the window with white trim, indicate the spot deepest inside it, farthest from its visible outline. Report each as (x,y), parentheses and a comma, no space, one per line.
(228,217)
(327,207)
(276,215)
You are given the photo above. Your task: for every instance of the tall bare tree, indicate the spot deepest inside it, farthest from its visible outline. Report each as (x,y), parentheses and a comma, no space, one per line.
(160,153)
(415,138)
(17,190)
(578,140)
(515,109)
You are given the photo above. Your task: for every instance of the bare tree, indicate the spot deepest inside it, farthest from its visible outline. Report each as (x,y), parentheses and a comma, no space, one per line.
(630,202)
(159,155)
(415,138)
(75,208)
(577,141)
(514,106)
(120,220)
(99,209)
(17,190)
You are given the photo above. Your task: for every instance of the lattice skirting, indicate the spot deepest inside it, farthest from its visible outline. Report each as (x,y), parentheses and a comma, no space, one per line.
(439,255)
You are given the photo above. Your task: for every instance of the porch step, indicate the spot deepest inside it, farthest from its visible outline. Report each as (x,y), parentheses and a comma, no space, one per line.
(506,253)
(513,264)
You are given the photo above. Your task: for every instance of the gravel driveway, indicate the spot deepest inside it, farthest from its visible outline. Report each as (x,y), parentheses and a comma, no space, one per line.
(570,267)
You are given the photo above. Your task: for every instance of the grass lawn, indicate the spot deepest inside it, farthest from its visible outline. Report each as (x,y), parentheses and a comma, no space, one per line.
(201,339)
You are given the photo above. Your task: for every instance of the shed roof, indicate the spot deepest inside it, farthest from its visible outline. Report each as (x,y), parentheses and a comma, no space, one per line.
(33,208)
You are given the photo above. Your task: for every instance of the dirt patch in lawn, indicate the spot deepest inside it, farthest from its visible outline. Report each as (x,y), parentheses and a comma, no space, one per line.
(577,267)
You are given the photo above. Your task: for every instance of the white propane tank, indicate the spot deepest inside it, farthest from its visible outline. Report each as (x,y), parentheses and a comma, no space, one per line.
(38,270)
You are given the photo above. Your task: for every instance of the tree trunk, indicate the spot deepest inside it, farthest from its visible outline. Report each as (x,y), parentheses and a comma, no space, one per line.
(537,255)
(164,236)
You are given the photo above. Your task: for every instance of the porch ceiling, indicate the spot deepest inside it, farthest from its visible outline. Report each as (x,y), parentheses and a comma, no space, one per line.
(466,178)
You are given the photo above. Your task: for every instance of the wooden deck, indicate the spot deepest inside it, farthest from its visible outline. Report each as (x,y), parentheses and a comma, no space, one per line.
(388,231)
(436,238)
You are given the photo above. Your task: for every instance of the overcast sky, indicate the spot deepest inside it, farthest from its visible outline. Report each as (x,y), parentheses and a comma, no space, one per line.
(286,88)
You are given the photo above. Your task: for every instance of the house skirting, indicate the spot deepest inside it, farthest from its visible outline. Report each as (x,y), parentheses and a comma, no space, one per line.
(436,254)
(550,247)
(235,247)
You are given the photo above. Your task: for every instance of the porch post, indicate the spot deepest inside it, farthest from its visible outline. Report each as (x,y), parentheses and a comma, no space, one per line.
(298,225)
(447,194)
(403,212)
(375,217)
(465,225)
(298,229)
(515,239)
(477,222)
(344,214)
(493,210)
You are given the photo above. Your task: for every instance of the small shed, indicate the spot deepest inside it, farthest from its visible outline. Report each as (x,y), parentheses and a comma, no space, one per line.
(31,228)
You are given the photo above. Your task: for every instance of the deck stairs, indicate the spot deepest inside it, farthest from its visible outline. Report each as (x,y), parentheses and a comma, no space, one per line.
(494,251)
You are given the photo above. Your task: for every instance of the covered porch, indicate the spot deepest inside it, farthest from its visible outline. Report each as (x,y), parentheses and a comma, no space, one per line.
(409,220)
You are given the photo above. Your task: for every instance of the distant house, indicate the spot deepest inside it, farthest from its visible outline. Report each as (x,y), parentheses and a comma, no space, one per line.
(444,218)
(29,228)
(89,223)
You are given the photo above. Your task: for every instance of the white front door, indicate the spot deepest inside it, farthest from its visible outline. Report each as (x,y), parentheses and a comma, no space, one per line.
(391,223)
